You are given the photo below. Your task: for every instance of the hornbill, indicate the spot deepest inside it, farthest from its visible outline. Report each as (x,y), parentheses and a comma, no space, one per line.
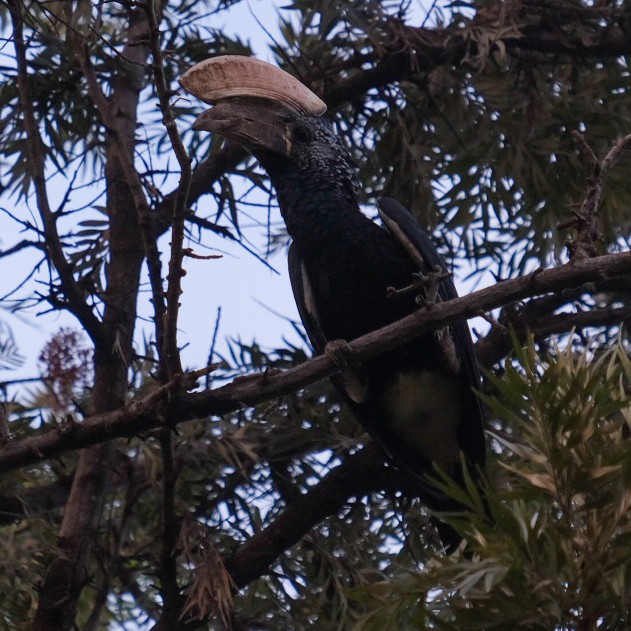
(416,401)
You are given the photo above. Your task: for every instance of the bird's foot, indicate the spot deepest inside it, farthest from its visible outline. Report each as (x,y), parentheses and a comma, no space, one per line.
(341,354)
(425,286)
(352,376)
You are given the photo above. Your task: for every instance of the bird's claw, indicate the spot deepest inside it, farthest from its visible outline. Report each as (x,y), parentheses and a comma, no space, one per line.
(352,377)
(425,286)
(341,354)
(431,284)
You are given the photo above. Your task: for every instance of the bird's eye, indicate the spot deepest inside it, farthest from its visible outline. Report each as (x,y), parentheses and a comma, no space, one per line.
(302,133)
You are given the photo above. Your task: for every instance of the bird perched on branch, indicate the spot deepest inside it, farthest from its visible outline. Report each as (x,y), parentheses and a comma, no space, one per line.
(349,275)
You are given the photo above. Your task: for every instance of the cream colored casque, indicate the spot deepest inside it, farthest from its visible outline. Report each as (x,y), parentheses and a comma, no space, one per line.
(227,76)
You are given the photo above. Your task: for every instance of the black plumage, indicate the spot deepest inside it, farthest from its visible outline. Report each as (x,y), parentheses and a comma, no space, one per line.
(417,401)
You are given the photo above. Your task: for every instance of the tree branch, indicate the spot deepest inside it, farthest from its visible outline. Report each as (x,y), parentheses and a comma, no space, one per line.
(163,406)
(169,349)
(359,474)
(497,344)
(202,179)
(125,157)
(171,597)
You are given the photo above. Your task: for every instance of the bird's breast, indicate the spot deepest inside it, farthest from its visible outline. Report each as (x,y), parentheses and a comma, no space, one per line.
(423,408)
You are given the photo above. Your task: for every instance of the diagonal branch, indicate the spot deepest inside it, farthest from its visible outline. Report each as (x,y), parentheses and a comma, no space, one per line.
(358,475)
(497,344)
(164,405)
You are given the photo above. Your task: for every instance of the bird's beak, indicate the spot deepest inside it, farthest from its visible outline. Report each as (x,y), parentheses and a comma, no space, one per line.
(255,123)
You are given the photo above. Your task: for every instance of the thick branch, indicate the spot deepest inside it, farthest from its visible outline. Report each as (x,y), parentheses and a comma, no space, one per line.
(360,474)
(124,154)
(162,406)
(409,50)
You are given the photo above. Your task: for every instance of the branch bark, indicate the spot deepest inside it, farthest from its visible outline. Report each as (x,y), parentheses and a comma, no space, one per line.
(168,347)
(166,406)
(361,473)
(497,344)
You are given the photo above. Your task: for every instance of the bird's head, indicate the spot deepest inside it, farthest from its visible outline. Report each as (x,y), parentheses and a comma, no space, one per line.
(274,116)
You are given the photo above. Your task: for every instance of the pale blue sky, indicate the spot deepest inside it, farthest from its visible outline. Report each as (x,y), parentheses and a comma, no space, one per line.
(238,283)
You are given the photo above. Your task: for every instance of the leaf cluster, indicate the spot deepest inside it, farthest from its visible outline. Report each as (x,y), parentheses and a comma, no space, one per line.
(555,553)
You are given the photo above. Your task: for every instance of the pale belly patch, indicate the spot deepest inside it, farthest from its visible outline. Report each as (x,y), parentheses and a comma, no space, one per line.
(424,409)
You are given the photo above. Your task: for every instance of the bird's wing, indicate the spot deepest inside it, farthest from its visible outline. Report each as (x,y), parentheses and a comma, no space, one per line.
(305,301)
(412,237)
(351,382)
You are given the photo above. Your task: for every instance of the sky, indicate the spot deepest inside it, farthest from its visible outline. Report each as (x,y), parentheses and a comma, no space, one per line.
(237,282)
(255,301)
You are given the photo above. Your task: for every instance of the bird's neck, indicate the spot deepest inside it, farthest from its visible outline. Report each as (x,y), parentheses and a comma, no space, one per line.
(318,212)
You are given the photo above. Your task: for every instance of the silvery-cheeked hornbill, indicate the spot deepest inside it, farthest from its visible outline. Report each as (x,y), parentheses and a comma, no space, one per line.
(416,401)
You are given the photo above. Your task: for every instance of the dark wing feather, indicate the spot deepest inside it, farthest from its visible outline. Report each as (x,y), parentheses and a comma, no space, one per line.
(407,231)
(305,300)
(352,384)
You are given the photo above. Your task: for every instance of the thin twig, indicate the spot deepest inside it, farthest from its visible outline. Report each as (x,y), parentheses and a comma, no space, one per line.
(586,219)
(76,301)
(170,349)
(211,352)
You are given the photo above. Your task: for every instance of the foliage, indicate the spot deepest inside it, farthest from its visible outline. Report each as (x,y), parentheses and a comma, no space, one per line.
(465,114)
(558,555)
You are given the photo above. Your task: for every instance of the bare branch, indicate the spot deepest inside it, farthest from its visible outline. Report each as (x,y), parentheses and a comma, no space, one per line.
(22,245)
(163,406)
(171,597)
(586,220)
(170,351)
(134,183)
(615,153)
(360,474)
(497,344)
(202,181)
